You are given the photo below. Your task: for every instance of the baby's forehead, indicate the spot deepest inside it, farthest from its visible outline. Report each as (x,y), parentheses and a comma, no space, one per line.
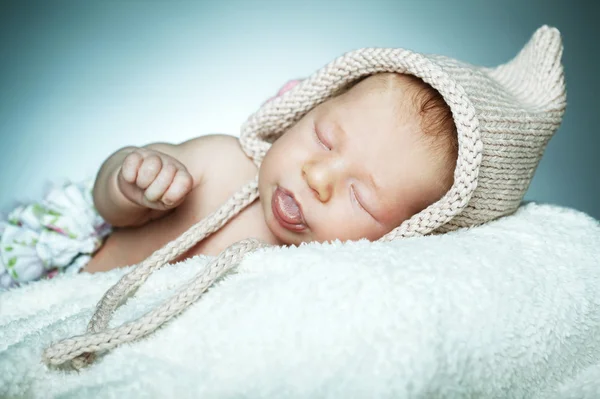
(390,90)
(390,97)
(385,83)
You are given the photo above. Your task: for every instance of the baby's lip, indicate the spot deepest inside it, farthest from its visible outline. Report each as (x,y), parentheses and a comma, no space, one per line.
(282,217)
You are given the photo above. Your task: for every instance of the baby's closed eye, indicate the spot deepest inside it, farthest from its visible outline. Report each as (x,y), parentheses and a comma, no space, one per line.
(357,199)
(320,139)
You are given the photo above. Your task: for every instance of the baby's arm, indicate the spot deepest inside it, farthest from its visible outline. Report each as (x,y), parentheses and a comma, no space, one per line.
(124,203)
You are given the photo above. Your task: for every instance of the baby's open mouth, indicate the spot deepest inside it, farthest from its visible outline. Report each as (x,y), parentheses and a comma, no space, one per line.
(287,211)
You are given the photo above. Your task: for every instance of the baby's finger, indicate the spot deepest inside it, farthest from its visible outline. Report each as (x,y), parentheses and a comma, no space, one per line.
(162,182)
(181,186)
(131,164)
(148,171)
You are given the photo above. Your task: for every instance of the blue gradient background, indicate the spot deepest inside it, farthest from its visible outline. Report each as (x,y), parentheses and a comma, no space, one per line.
(80,79)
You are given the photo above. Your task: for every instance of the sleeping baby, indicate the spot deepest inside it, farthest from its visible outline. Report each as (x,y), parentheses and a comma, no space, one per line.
(379,144)
(356,166)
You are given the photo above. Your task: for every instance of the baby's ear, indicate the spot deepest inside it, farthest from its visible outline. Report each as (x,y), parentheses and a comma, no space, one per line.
(286,87)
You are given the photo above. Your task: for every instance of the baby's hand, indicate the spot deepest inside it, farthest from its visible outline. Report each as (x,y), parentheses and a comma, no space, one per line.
(153,179)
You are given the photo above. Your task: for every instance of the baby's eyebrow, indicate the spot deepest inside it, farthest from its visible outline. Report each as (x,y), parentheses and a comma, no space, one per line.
(340,129)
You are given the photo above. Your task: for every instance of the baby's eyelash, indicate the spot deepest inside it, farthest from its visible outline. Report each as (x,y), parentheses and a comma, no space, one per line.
(316,133)
(355,197)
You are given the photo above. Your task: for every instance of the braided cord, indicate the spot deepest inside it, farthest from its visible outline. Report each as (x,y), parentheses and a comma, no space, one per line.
(132,280)
(78,348)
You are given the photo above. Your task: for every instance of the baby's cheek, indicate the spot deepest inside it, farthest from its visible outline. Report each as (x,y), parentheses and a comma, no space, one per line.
(268,165)
(340,226)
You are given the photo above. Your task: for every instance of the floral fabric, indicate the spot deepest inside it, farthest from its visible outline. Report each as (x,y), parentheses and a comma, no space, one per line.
(59,234)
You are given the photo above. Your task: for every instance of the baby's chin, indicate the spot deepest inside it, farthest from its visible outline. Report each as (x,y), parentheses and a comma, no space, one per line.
(286,237)
(283,236)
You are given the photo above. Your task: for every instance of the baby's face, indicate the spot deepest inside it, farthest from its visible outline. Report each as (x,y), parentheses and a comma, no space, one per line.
(353,167)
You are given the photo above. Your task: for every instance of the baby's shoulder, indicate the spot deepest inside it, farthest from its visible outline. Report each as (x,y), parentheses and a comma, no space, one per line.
(216,156)
(225,159)
(220,164)
(227,170)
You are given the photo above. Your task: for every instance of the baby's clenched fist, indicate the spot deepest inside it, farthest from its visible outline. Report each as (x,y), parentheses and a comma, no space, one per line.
(153,179)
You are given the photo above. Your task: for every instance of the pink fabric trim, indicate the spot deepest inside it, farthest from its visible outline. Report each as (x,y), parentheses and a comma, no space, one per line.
(286,87)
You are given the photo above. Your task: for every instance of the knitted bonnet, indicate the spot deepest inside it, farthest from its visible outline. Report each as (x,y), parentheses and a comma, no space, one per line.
(504,118)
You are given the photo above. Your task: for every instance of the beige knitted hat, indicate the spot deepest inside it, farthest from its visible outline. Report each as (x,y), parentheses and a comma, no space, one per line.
(504,117)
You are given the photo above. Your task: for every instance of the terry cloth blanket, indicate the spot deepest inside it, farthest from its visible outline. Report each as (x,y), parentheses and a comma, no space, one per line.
(509,309)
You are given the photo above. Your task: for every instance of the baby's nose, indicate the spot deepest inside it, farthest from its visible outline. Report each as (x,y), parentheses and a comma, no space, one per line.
(319,179)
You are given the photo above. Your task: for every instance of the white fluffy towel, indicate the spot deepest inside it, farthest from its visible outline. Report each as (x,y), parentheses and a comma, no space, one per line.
(510,309)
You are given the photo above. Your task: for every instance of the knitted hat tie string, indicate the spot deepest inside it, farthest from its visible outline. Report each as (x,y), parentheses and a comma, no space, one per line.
(115,296)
